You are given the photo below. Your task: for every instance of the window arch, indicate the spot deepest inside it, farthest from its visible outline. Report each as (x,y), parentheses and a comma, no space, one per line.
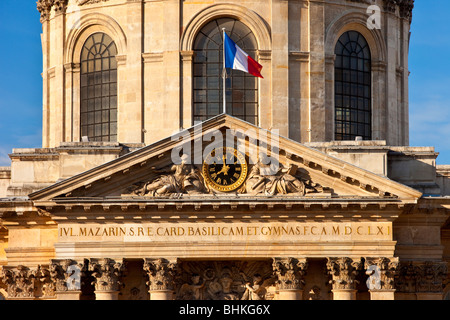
(353,87)
(241,88)
(98,109)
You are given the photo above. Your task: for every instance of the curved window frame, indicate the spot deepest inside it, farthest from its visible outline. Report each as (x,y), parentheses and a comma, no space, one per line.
(242,92)
(98,88)
(353,88)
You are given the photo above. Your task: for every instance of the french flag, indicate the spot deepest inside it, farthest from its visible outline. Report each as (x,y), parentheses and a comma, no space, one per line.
(237,59)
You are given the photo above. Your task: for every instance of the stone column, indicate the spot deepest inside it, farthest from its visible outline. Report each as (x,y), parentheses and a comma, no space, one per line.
(381,281)
(343,272)
(66,276)
(290,273)
(19,281)
(107,273)
(161,273)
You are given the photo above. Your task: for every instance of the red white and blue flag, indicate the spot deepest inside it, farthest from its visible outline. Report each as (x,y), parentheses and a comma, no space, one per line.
(237,59)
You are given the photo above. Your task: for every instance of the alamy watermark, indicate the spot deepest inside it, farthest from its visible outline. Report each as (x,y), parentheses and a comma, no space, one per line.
(374,20)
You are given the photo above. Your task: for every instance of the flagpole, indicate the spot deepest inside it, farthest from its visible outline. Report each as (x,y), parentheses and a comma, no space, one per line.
(224,76)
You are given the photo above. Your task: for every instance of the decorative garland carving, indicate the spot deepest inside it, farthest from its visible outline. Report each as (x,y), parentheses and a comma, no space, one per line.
(427,276)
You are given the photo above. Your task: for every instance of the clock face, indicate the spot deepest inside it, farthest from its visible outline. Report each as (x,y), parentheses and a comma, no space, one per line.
(225,169)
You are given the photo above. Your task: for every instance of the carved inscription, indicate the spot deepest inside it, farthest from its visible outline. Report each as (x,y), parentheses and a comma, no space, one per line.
(181,232)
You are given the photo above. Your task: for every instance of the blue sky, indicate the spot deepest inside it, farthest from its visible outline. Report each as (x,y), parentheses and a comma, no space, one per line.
(21,82)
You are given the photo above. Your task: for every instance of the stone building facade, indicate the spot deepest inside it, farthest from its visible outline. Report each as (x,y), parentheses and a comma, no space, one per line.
(305,189)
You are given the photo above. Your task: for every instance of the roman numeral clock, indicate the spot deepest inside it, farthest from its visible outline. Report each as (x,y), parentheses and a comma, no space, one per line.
(225,169)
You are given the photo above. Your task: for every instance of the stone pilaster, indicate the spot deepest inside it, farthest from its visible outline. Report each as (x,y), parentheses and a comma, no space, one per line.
(161,274)
(66,276)
(19,281)
(290,273)
(381,273)
(343,272)
(107,273)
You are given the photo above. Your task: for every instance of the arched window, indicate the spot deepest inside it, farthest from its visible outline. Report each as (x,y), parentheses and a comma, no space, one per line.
(99,88)
(241,88)
(353,86)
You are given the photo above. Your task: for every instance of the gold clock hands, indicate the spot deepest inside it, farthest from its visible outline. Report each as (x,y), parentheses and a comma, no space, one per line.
(225,167)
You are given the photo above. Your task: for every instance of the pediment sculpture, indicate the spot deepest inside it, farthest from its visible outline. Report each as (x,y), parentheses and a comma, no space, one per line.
(176,179)
(264,178)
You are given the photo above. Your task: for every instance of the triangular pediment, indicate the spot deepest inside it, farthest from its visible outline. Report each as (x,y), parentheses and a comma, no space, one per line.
(321,175)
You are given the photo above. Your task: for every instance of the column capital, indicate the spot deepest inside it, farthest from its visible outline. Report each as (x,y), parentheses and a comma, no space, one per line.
(290,273)
(381,273)
(60,6)
(66,274)
(107,273)
(343,271)
(44,7)
(161,273)
(19,281)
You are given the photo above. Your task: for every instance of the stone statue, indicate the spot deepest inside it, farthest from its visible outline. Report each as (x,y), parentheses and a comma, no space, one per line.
(192,291)
(221,288)
(179,178)
(255,290)
(269,179)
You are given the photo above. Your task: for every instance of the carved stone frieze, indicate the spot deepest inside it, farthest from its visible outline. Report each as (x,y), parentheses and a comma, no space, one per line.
(161,274)
(423,277)
(107,274)
(406,278)
(290,273)
(224,280)
(343,271)
(382,273)
(431,276)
